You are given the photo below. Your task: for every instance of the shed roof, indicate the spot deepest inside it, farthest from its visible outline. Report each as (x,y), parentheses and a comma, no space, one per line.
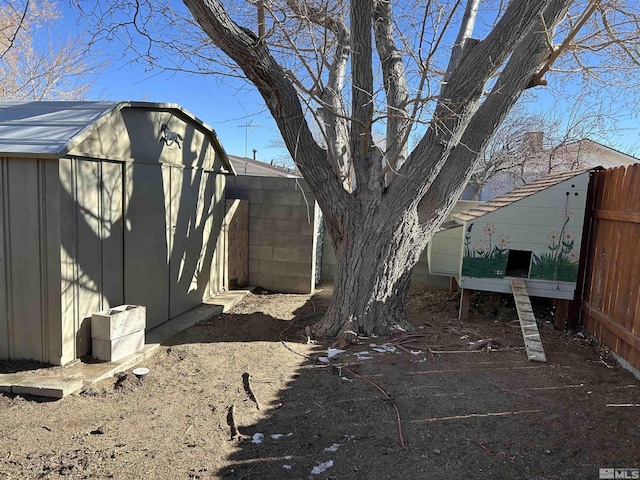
(52,129)
(518,194)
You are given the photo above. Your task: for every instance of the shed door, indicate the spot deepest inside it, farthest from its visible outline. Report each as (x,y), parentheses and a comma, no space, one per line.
(146,268)
(190,223)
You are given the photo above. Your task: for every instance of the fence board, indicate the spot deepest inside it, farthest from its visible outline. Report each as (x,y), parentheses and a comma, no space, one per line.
(610,307)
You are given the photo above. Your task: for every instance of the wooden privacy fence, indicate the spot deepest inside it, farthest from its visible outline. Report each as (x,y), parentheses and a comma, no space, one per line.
(610,305)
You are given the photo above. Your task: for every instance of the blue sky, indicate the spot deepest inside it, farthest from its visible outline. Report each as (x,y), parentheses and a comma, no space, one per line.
(224,103)
(220,105)
(228,104)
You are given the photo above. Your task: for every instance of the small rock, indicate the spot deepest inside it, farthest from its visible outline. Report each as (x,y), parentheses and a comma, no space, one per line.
(101,430)
(437,451)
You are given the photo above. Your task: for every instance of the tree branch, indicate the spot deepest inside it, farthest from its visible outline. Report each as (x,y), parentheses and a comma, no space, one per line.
(255,60)
(395,84)
(516,75)
(556,52)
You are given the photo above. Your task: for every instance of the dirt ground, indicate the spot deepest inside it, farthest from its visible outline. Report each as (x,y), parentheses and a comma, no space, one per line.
(439,404)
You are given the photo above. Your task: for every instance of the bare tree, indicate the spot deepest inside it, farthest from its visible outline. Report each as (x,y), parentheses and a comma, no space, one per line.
(35,63)
(526,146)
(354,68)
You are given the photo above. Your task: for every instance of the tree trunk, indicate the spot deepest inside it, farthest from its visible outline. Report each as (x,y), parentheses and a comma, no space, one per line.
(375,257)
(379,230)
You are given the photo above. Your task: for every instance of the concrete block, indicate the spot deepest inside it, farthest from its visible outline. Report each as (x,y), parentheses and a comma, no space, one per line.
(272,267)
(305,241)
(298,269)
(118,321)
(277,197)
(301,213)
(114,350)
(5,383)
(295,285)
(268,211)
(254,265)
(46,386)
(275,183)
(289,227)
(258,252)
(260,225)
(292,255)
(281,240)
(328,272)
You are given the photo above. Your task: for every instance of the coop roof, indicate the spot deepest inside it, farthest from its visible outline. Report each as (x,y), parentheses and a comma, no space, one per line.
(513,196)
(52,129)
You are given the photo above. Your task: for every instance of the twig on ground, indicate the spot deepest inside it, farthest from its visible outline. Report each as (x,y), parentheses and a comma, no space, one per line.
(246,382)
(386,395)
(231,421)
(479,345)
(505,390)
(307,332)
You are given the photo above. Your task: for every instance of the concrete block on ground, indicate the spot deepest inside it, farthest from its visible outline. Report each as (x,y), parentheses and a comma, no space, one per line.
(5,383)
(46,386)
(118,321)
(114,350)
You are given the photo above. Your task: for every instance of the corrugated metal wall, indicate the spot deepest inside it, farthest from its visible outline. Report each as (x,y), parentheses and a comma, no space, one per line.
(92,276)
(137,234)
(30,260)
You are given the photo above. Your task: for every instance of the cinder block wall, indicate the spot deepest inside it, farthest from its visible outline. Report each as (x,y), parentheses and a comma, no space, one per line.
(281,226)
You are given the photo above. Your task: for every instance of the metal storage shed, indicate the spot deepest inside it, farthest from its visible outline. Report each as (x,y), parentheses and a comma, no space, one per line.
(100,206)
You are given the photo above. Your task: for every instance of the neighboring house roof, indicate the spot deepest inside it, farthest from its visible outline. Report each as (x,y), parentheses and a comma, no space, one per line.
(573,155)
(518,194)
(248,166)
(52,129)
(622,158)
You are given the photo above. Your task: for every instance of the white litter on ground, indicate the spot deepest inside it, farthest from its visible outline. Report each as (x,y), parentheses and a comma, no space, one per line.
(286,467)
(321,467)
(386,348)
(333,448)
(346,379)
(332,352)
(257,438)
(324,359)
(363,355)
(276,436)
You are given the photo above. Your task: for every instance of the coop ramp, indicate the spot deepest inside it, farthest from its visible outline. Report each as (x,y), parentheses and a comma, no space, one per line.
(528,325)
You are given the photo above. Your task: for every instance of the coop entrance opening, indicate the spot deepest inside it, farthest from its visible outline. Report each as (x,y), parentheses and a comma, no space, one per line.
(518,263)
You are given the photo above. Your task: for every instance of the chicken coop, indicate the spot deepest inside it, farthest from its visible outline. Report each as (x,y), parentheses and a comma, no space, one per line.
(533,233)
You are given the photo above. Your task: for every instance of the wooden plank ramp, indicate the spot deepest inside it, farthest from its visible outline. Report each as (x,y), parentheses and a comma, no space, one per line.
(528,325)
